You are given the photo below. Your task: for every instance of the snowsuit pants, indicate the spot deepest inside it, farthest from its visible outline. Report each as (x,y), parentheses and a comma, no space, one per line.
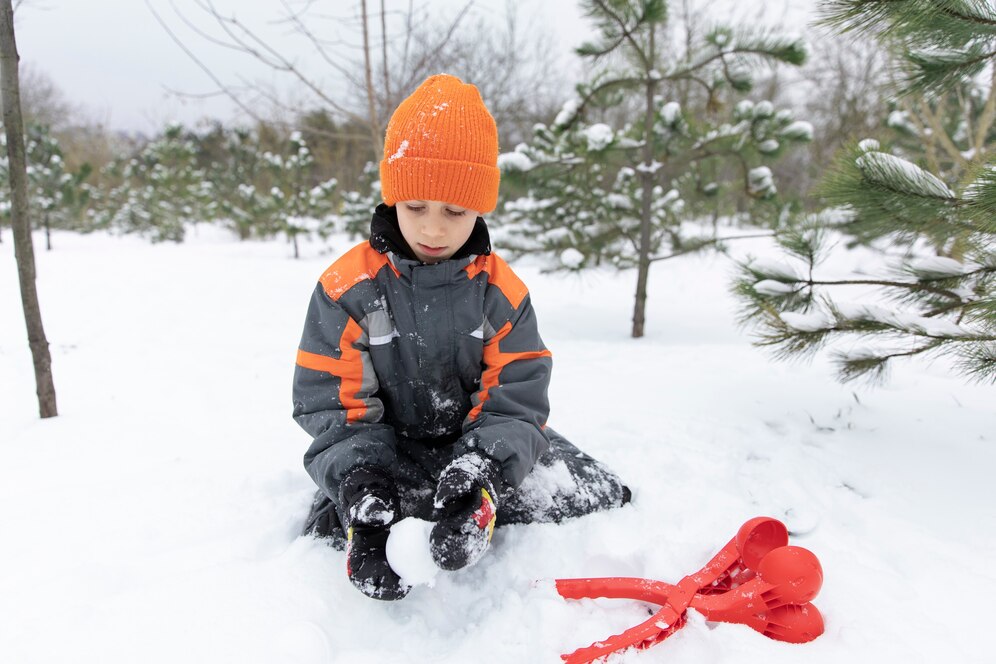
(564,483)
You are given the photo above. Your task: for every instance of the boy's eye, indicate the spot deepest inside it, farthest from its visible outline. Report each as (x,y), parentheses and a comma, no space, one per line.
(414,208)
(457,213)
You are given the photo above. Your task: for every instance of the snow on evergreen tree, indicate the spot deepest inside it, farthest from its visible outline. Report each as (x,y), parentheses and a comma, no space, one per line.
(617,192)
(358,206)
(162,189)
(236,181)
(175,181)
(57,197)
(298,207)
(937,294)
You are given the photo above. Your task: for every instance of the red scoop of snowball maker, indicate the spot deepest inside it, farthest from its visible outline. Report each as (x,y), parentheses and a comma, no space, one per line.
(757,580)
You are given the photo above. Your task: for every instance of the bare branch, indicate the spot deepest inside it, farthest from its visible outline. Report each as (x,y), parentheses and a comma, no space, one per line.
(280,63)
(300,27)
(200,33)
(221,86)
(371,108)
(383,44)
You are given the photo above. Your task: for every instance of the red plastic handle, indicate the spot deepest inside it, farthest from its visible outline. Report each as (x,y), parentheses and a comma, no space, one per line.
(756,579)
(646,634)
(616,587)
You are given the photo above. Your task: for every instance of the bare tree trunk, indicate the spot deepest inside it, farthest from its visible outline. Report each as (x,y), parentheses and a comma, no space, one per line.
(647,181)
(378,145)
(21,225)
(383,44)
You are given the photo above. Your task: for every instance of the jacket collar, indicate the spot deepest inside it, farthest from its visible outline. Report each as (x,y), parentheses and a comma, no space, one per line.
(386,237)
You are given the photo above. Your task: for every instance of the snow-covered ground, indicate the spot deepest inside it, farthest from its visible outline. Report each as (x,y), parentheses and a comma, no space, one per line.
(156,519)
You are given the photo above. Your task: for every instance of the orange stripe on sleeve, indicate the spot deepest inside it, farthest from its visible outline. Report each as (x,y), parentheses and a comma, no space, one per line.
(348,368)
(495,361)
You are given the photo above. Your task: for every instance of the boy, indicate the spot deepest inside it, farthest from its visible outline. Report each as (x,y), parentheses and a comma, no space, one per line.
(421,374)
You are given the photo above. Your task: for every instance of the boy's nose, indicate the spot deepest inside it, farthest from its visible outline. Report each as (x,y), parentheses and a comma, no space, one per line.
(433,229)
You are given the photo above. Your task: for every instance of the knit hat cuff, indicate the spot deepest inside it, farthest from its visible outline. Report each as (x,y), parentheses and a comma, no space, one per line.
(469,185)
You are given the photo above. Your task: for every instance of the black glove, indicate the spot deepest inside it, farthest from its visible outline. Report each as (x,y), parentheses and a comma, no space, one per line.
(464,510)
(369,499)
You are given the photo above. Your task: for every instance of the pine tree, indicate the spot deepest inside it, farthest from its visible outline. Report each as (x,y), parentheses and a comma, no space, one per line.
(936,294)
(616,188)
(241,183)
(299,207)
(358,206)
(57,197)
(162,189)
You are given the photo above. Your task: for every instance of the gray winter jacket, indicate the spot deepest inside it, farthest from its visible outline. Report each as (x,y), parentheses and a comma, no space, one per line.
(393,350)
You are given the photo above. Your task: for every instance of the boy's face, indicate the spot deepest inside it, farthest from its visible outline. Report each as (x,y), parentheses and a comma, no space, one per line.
(433,229)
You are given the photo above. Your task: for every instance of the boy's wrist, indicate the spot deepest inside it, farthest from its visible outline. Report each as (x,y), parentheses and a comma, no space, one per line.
(470,444)
(368,496)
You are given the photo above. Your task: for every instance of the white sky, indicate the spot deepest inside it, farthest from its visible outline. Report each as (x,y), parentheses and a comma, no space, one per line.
(117,64)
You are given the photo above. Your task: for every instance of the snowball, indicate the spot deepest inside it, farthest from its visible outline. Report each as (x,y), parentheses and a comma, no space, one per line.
(408,552)
(571,258)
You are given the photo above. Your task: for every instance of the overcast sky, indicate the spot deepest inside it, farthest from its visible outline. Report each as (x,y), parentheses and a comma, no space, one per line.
(113,60)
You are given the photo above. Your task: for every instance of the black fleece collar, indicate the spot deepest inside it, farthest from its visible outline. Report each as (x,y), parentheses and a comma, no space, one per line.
(385,236)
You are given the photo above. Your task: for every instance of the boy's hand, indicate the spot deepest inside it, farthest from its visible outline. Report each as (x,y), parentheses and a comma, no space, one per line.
(370,501)
(465,508)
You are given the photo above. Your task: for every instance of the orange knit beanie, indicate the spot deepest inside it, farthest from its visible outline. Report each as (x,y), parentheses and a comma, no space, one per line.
(442,145)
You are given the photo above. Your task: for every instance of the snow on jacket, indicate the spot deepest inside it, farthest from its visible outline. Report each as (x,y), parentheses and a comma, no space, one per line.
(395,349)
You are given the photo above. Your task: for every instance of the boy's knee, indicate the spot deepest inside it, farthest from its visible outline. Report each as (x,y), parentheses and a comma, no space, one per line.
(565,483)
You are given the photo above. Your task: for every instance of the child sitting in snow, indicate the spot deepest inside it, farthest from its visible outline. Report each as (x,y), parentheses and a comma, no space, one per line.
(421,374)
